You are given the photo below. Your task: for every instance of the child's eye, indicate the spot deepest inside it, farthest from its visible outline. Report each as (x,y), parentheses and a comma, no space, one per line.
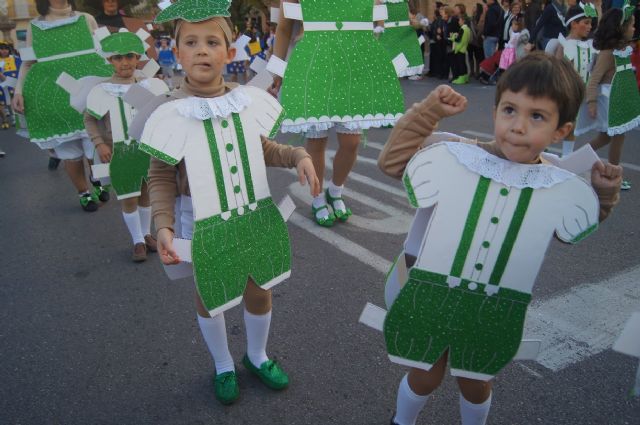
(213,42)
(537,116)
(508,110)
(190,43)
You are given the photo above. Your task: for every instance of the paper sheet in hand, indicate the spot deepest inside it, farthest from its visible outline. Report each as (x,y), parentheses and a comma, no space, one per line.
(578,162)
(263,78)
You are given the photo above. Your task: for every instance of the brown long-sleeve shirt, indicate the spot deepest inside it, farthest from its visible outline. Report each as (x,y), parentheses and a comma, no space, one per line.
(603,71)
(420,121)
(167,181)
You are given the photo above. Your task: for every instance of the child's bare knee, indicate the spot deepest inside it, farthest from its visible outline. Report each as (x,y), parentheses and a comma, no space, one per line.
(474,390)
(256,299)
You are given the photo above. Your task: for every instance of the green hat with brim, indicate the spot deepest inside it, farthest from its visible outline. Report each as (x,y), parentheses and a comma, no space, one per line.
(123,42)
(194,10)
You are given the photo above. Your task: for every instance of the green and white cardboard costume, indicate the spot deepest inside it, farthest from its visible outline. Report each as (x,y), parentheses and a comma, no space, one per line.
(129,166)
(618,102)
(64,45)
(338,73)
(239,232)
(480,234)
(399,38)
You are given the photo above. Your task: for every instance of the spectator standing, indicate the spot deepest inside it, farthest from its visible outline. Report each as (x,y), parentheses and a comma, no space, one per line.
(532,12)
(475,51)
(492,28)
(550,24)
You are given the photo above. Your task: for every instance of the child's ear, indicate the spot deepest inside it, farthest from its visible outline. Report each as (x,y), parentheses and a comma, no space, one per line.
(231,54)
(562,132)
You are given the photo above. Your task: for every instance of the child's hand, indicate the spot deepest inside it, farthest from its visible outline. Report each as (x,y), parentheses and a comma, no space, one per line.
(167,254)
(446,102)
(104,152)
(593,110)
(606,177)
(18,103)
(275,87)
(307,172)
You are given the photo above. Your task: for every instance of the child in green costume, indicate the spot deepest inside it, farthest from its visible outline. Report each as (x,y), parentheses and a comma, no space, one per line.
(613,100)
(460,73)
(60,40)
(486,214)
(338,75)
(398,36)
(107,119)
(215,133)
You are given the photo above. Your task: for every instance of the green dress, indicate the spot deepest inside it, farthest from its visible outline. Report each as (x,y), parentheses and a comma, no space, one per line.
(399,38)
(624,101)
(63,45)
(341,75)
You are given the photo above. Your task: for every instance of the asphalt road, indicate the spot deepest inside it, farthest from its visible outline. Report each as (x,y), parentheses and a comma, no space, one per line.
(88,337)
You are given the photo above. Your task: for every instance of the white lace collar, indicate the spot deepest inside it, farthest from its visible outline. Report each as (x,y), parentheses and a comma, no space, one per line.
(509,173)
(117,90)
(204,108)
(624,53)
(46,25)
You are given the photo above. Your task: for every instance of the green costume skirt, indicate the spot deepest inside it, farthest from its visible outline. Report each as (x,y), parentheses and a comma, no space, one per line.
(128,168)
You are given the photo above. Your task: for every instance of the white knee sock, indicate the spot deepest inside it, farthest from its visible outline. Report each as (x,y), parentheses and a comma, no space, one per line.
(214,332)
(318,202)
(474,414)
(408,404)
(336,192)
(257,334)
(567,147)
(132,220)
(145,220)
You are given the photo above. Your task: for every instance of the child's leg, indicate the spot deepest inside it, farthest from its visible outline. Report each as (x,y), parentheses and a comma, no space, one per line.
(602,139)
(475,401)
(316,147)
(214,333)
(131,217)
(257,319)
(343,163)
(414,390)
(144,210)
(615,149)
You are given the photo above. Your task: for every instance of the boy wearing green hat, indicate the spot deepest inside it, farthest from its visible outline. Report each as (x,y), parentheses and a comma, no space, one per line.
(213,135)
(107,120)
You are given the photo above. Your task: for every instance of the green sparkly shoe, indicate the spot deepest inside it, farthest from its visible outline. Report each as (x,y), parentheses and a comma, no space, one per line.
(226,385)
(324,222)
(87,203)
(269,373)
(101,193)
(342,215)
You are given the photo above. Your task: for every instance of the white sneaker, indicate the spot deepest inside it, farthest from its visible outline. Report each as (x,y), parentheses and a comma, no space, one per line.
(415,77)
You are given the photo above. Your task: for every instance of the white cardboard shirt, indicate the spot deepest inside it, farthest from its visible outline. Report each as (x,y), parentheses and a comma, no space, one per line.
(629,340)
(240,44)
(263,78)
(78,89)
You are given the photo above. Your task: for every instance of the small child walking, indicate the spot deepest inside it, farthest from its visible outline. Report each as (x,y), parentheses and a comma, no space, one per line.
(518,40)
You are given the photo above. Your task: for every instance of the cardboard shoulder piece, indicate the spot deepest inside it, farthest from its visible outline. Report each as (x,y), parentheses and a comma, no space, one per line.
(64,45)
(263,78)
(220,141)
(400,41)
(479,236)
(239,45)
(319,73)
(629,343)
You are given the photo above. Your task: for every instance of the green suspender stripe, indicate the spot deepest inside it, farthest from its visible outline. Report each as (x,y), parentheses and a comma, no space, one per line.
(470,226)
(217,165)
(277,124)
(125,127)
(511,236)
(244,157)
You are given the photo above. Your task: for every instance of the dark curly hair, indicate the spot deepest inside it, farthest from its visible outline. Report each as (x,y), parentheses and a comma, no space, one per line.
(42,6)
(610,34)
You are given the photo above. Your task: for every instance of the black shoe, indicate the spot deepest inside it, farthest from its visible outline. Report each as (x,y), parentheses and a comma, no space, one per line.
(393,422)
(101,192)
(53,163)
(87,203)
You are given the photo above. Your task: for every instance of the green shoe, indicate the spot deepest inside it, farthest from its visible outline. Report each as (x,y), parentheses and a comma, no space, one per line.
(87,203)
(101,193)
(459,80)
(324,222)
(342,215)
(625,185)
(227,390)
(269,373)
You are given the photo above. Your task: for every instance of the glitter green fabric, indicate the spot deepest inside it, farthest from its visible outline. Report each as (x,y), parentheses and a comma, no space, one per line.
(121,43)
(47,110)
(397,39)
(482,333)
(339,74)
(194,10)
(128,168)
(624,102)
(227,253)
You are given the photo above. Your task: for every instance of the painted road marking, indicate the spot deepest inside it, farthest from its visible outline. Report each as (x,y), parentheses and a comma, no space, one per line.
(584,321)
(345,245)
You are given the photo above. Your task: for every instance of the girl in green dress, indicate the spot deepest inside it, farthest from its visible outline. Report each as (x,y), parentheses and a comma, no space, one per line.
(60,39)
(612,93)
(338,75)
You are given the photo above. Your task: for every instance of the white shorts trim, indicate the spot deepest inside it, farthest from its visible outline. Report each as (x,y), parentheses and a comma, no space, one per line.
(75,149)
